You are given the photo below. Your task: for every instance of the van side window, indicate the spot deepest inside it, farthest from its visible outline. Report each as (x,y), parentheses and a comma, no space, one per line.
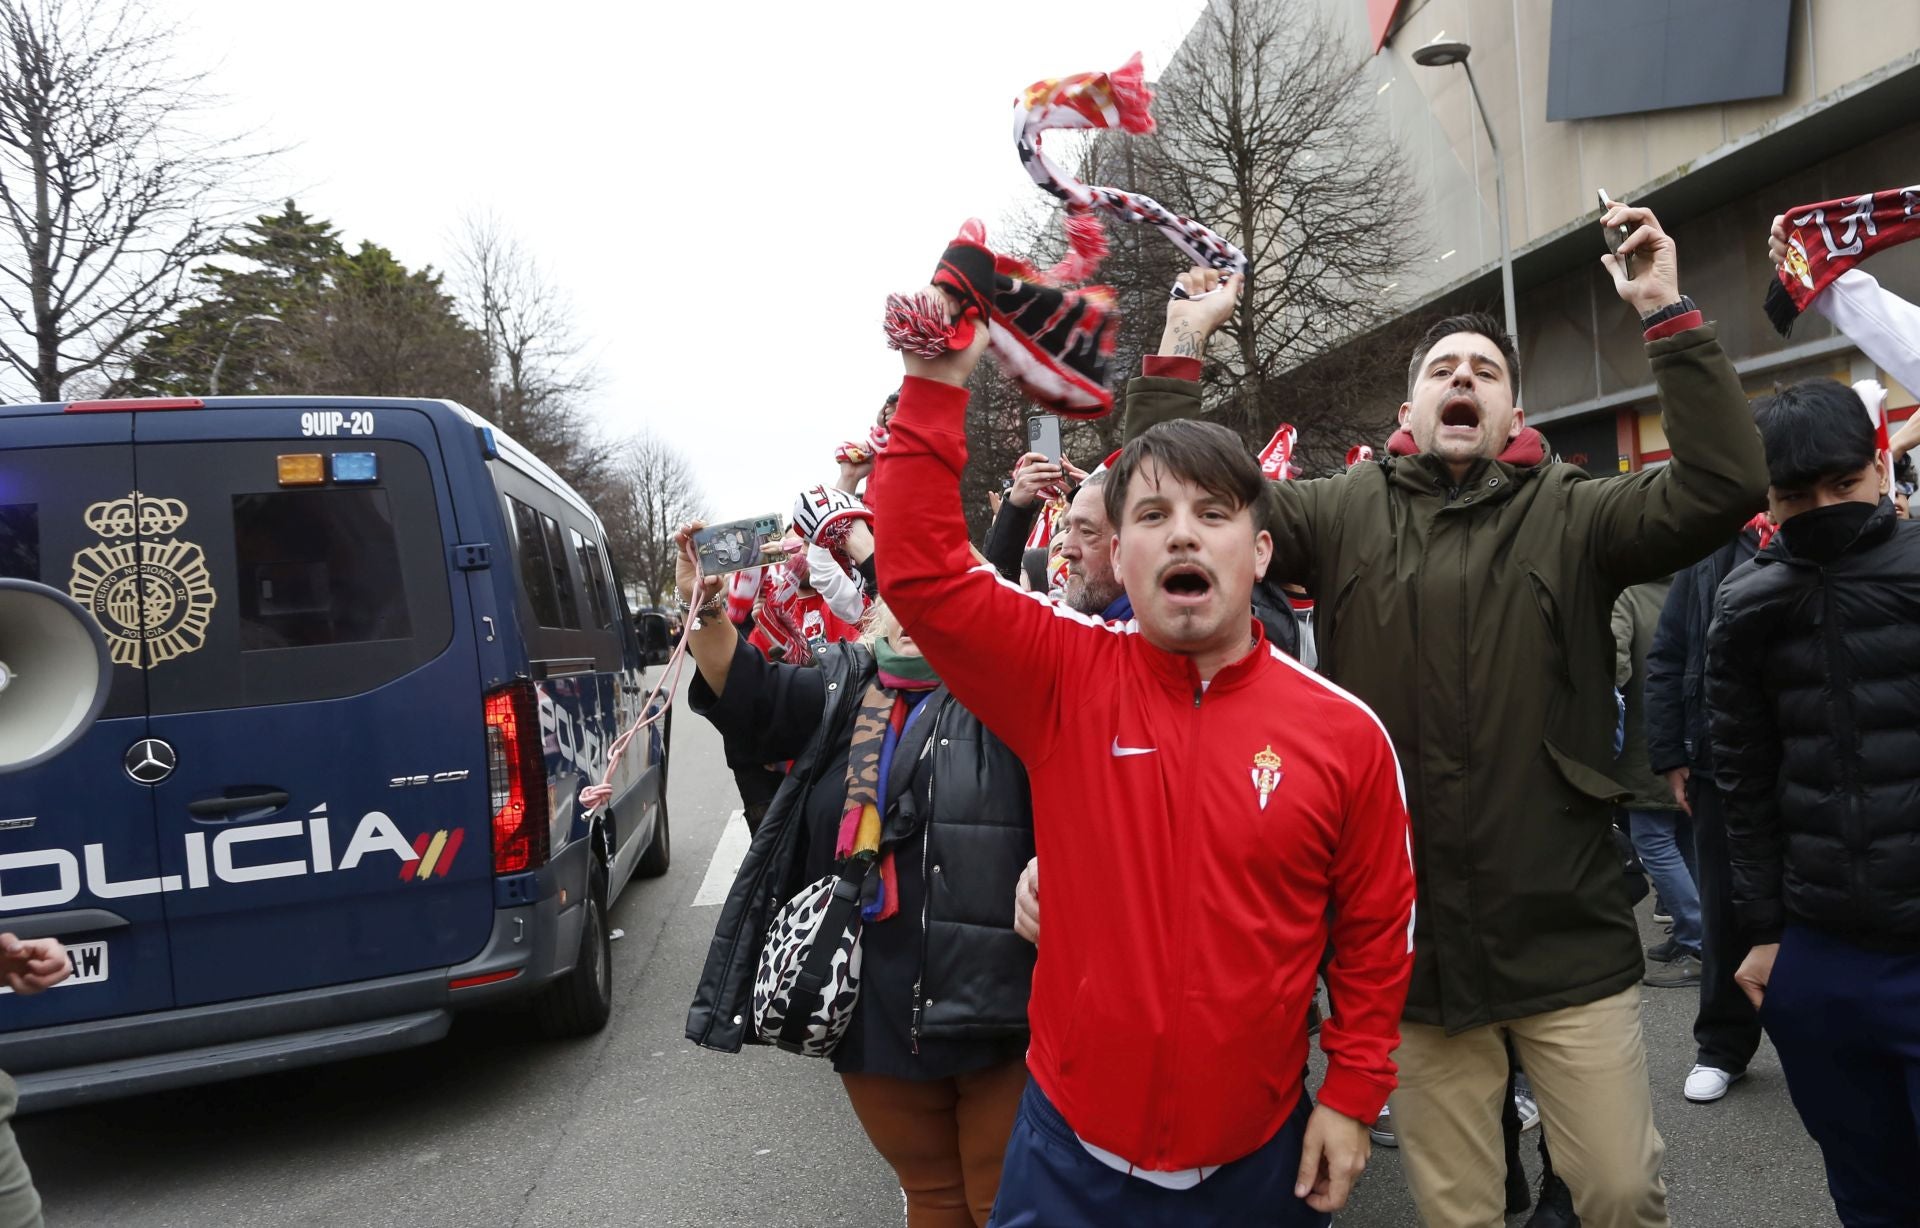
(586,557)
(536,574)
(318,567)
(562,574)
(20,541)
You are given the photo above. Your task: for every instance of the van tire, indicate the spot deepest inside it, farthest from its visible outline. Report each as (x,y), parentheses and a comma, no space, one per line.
(659,854)
(581,1002)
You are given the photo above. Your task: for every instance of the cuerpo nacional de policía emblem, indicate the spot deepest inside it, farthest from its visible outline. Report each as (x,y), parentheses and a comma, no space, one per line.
(155,590)
(1266,774)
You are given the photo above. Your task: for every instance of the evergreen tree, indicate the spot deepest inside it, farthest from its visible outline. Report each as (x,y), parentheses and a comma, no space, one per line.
(288,260)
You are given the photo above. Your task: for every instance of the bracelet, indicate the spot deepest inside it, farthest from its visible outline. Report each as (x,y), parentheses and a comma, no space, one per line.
(707,609)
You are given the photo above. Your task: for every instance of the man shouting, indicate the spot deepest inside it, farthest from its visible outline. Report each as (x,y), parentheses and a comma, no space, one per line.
(1203,805)
(1464,588)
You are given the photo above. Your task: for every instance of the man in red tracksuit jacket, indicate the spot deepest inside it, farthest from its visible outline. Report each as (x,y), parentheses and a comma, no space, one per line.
(1200,801)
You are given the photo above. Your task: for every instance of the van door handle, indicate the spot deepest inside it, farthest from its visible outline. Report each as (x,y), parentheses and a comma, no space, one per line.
(270,799)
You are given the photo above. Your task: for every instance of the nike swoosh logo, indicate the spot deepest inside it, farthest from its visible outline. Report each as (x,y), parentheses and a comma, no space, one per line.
(1121,752)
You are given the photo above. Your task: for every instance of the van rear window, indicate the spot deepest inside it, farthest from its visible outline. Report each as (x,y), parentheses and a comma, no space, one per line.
(318,567)
(20,541)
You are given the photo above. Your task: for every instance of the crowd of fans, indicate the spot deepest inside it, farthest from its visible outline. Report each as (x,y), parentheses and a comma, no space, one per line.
(1248,724)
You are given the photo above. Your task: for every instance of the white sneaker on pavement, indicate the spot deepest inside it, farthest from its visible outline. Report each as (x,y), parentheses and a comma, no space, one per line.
(1706,1084)
(1528,1109)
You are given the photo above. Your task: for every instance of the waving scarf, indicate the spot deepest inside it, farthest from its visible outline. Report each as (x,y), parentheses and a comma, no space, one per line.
(1054,343)
(1276,459)
(1098,100)
(1827,239)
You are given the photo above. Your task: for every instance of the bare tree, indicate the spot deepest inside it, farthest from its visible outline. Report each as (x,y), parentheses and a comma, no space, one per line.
(538,378)
(106,197)
(652,494)
(1267,131)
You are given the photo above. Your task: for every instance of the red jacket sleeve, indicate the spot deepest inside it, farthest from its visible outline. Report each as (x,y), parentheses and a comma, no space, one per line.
(1006,654)
(1372,964)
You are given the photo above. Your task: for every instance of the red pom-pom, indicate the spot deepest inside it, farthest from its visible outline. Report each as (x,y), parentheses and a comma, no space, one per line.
(1131,95)
(918,324)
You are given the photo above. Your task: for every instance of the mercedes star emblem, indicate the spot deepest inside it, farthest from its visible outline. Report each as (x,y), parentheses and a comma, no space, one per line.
(150,761)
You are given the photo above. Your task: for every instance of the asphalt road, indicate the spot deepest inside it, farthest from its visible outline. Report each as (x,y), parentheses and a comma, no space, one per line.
(637,1127)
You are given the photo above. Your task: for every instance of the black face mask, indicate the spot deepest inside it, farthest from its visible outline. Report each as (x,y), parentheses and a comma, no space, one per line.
(1821,534)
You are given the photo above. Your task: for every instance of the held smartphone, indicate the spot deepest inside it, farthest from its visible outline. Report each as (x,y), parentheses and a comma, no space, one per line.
(1616,235)
(738,544)
(1043,436)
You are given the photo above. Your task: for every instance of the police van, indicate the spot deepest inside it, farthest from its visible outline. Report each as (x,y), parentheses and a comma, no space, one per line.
(365,655)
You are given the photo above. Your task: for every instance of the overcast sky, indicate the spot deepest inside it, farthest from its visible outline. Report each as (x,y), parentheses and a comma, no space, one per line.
(727,191)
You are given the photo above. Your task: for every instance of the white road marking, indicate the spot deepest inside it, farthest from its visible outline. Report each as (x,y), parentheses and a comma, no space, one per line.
(727,856)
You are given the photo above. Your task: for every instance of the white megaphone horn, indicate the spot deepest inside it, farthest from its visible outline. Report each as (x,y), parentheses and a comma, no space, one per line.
(54,673)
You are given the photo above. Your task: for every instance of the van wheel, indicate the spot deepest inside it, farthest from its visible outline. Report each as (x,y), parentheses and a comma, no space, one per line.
(581,1002)
(659,855)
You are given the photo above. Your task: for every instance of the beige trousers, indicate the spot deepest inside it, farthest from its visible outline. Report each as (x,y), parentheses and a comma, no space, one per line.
(1588,1068)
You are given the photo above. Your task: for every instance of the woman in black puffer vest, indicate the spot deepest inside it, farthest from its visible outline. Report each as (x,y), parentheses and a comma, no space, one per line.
(934,1057)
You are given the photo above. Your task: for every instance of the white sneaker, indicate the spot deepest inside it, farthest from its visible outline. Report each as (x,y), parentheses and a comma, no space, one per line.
(1382,1131)
(1705,1084)
(1529,1111)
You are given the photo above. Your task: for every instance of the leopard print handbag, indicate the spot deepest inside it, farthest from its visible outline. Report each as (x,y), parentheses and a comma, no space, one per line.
(808,978)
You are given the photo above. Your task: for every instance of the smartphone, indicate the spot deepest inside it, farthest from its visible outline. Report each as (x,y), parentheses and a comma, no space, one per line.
(1616,235)
(1043,436)
(738,544)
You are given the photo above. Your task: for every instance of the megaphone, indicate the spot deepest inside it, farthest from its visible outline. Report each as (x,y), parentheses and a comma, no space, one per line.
(54,673)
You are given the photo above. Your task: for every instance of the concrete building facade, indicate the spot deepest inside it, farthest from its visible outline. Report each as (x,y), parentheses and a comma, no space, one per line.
(1844,123)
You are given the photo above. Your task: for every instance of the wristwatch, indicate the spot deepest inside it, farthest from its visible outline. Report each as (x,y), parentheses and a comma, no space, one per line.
(1668,312)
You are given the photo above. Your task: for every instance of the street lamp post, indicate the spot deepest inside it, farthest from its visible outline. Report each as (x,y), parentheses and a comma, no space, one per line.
(220,361)
(1439,55)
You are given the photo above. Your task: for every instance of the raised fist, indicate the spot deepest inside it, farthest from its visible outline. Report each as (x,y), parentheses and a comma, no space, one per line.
(823,515)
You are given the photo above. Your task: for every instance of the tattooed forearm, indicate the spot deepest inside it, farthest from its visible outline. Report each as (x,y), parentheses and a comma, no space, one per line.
(1183,341)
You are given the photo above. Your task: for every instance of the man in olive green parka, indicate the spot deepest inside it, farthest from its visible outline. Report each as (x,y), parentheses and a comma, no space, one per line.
(1463,587)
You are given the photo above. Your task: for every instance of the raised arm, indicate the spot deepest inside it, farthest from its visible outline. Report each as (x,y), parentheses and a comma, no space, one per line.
(1168,388)
(1007,535)
(767,711)
(1005,654)
(1647,525)
(1885,326)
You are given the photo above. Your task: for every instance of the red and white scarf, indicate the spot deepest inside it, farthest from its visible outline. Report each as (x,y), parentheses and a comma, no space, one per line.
(1101,100)
(1052,341)
(1276,459)
(1827,239)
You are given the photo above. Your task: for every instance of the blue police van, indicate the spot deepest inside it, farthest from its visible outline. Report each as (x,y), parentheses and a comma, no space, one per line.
(366,653)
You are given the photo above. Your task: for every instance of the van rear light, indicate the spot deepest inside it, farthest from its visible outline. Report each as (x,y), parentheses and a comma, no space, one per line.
(516,779)
(129,404)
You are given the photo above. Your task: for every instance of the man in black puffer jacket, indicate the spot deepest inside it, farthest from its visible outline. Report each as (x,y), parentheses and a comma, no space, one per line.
(1813,694)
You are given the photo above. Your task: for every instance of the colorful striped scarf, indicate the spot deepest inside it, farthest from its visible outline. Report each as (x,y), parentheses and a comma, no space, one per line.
(876,730)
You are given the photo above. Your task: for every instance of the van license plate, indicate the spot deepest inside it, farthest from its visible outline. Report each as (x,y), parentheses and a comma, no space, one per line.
(89,964)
